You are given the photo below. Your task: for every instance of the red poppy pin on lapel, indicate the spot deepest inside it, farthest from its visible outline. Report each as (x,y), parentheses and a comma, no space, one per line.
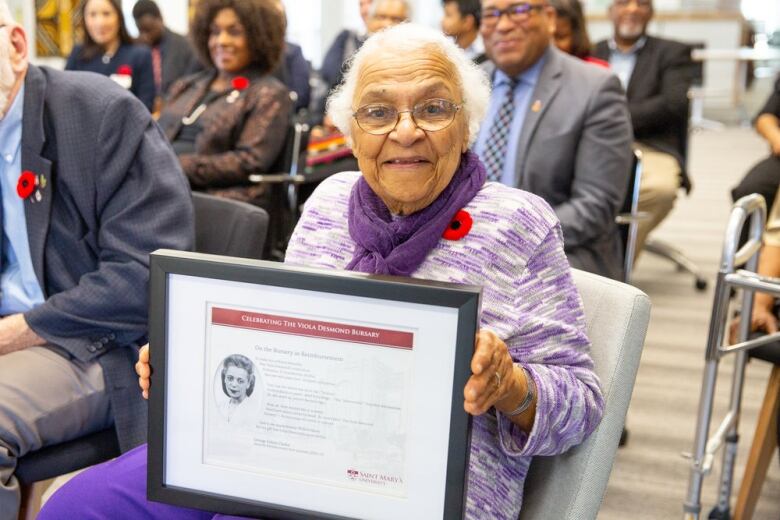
(29,184)
(238,83)
(459,227)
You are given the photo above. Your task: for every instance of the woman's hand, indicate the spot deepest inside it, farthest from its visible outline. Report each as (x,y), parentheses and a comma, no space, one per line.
(144,370)
(493,376)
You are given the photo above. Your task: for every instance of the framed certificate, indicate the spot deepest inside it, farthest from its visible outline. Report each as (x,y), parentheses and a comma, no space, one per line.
(283,392)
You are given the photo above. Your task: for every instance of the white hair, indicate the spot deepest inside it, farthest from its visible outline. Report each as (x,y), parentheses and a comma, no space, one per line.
(376,3)
(408,38)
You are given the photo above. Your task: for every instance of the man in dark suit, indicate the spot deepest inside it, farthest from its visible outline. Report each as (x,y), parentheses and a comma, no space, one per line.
(89,188)
(172,55)
(656,75)
(557,127)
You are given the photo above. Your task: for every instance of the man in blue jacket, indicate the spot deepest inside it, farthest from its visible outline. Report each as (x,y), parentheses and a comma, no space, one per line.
(89,188)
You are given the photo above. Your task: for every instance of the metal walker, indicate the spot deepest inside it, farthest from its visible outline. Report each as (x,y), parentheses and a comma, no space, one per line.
(730,276)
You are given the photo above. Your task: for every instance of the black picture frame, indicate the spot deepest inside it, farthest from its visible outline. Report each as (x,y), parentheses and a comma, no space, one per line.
(464,298)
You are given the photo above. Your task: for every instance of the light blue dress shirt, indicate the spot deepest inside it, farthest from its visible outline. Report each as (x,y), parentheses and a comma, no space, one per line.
(526,82)
(20,288)
(623,63)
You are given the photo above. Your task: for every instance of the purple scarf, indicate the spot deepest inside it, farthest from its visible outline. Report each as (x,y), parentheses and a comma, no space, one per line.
(398,247)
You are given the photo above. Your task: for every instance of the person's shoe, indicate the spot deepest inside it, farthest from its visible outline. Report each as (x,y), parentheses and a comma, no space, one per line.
(623,438)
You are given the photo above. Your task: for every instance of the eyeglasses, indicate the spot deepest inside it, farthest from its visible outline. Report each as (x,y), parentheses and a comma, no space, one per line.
(516,12)
(431,116)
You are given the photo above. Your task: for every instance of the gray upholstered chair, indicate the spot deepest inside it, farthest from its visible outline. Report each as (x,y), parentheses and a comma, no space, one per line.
(571,486)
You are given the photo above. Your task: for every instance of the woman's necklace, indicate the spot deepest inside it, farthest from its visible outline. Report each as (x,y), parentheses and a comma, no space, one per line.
(106,59)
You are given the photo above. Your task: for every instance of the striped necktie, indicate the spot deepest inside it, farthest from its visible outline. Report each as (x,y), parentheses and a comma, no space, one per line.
(495,146)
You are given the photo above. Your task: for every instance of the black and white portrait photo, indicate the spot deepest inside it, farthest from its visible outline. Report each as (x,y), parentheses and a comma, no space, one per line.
(236,389)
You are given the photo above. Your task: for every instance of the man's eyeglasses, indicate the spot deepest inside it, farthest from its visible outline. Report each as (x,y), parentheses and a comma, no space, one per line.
(431,116)
(516,12)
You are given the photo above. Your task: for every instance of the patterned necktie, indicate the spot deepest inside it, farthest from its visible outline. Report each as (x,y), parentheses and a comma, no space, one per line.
(495,146)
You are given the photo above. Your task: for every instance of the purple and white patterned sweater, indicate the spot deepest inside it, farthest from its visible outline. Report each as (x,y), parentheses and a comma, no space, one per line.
(515,252)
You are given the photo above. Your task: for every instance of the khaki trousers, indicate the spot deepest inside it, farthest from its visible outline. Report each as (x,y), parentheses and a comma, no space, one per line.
(657,191)
(45,398)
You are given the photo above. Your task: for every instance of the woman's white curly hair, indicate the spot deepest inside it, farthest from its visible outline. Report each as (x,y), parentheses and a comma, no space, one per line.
(408,38)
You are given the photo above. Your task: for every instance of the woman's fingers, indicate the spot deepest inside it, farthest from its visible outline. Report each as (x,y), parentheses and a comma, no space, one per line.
(144,370)
(490,373)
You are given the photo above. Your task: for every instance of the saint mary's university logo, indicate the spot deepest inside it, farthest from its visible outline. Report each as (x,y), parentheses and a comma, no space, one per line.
(352,474)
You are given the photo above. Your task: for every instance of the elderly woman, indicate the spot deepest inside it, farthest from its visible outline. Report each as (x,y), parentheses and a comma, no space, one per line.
(228,122)
(420,206)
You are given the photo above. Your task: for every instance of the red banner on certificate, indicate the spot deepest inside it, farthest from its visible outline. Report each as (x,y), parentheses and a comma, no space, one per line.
(312,328)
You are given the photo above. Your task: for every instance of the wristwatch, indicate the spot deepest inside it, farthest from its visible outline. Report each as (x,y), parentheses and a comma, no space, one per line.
(529,395)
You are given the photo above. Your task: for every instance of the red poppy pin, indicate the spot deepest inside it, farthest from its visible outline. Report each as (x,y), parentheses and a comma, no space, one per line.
(238,83)
(124,70)
(30,183)
(459,226)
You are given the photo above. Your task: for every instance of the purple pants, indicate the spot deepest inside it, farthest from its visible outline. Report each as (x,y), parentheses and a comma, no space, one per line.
(115,490)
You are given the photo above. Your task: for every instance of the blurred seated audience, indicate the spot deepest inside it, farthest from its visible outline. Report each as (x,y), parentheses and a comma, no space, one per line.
(656,75)
(557,127)
(461,22)
(571,31)
(172,54)
(108,50)
(764,177)
(421,207)
(230,120)
(89,188)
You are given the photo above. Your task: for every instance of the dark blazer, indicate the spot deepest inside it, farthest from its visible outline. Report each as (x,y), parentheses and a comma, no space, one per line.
(658,95)
(296,74)
(114,193)
(344,46)
(237,138)
(575,152)
(178,58)
(137,57)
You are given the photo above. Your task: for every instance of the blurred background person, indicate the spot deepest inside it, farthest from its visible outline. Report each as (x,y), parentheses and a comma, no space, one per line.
(172,55)
(230,120)
(764,177)
(380,14)
(108,49)
(387,13)
(571,31)
(558,128)
(461,22)
(343,47)
(656,74)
